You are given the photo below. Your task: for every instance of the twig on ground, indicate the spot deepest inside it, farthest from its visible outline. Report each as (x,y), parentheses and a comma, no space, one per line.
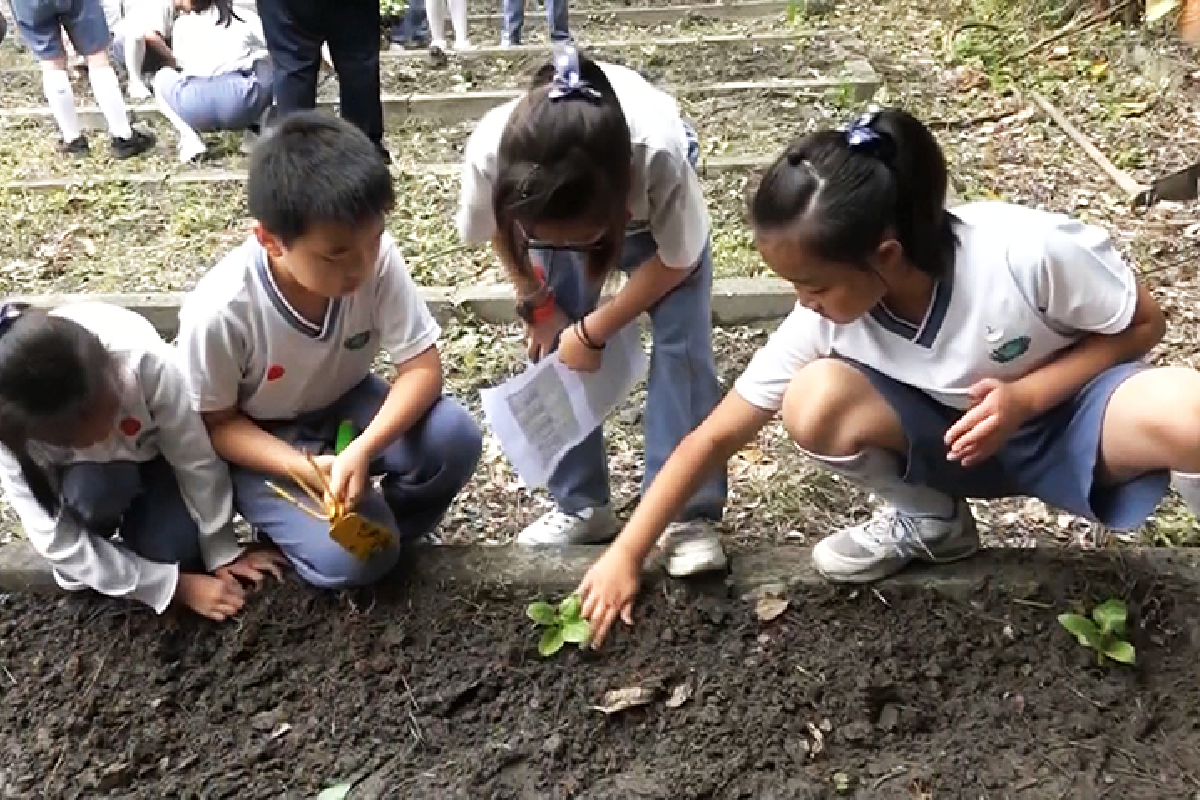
(1119,177)
(1032,603)
(895,772)
(1068,29)
(413,707)
(963,27)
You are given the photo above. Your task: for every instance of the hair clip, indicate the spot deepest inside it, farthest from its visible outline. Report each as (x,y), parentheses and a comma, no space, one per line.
(861,137)
(567,81)
(9,313)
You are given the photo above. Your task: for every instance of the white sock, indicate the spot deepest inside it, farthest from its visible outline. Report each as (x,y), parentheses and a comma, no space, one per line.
(435,10)
(1188,487)
(458,16)
(135,54)
(56,83)
(107,89)
(880,471)
(187,134)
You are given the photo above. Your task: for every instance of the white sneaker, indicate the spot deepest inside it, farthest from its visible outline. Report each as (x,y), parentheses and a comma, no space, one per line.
(464,46)
(138,90)
(590,526)
(693,547)
(191,148)
(67,583)
(889,541)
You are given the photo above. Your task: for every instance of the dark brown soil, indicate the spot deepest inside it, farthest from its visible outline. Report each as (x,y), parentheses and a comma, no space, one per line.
(429,692)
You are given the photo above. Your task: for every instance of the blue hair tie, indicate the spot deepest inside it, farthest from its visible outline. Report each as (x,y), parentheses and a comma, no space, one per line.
(861,137)
(567,82)
(9,313)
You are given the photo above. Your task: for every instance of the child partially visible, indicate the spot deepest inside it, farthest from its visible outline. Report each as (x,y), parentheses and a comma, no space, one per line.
(279,341)
(142,39)
(100,440)
(41,24)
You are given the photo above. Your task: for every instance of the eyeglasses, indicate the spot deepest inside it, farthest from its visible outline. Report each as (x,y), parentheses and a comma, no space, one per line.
(556,247)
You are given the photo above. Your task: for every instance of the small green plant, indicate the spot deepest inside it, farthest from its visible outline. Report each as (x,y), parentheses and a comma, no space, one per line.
(1104,632)
(560,624)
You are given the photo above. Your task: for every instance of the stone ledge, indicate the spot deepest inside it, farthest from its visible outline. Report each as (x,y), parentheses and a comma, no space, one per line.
(735,301)
(769,568)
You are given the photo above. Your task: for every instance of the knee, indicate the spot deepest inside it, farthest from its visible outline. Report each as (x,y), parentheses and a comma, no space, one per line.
(329,566)
(456,440)
(817,405)
(162,82)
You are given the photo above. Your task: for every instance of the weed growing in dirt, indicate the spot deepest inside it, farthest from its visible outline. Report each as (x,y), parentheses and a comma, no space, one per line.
(560,624)
(1104,632)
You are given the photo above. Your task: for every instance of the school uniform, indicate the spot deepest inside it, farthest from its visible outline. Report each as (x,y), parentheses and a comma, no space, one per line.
(155,481)
(225,75)
(245,347)
(41,24)
(1025,286)
(141,17)
(669,217)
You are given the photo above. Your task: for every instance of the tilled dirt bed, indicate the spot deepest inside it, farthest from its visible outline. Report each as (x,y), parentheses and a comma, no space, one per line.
(432,690)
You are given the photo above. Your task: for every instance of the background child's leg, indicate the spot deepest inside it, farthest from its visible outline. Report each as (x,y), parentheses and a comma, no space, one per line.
(556,18)
(436,10)
(428,466)
(135,58)
(291,31)
(169,99)
(682,387)
(89,32)
(458,16)
(512,22)
(353,33)
(56,83)
(42,34)
(158,525)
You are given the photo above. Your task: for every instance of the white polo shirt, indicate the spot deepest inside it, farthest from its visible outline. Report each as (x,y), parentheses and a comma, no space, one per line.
(204,49)
(1026,284)
(156,418)
(245,347)
(665,195)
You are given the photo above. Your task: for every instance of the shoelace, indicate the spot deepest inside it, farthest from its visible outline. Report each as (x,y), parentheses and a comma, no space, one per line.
(890,528)
(560,521)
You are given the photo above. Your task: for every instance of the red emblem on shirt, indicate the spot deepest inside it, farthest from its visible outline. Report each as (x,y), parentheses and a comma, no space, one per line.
(275,372)
(130,426)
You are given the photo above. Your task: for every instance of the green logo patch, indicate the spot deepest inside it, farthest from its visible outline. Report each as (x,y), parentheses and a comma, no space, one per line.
(1011,350)
(358,341)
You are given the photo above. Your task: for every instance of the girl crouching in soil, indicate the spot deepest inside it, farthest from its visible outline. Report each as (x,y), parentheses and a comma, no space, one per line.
(100,439)
(934,356)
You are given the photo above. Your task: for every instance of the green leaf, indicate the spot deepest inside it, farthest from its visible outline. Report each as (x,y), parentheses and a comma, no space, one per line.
(1083,629)
(336,792)
(551,641)
(1110,617)
(569,607)
(542,613)
(1120,651)
(577,631)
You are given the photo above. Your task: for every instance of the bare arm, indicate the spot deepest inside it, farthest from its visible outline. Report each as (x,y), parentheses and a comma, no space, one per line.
(417,386)
(241,441)
(647,284)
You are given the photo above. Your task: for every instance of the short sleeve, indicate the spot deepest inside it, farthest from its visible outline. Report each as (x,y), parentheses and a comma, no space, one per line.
(678,216)
(212,349)
(476,219)
(1075,278)
(407,328)
(796,343)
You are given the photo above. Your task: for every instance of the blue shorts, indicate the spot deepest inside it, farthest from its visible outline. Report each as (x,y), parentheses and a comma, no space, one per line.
(1052,457)
(41,23)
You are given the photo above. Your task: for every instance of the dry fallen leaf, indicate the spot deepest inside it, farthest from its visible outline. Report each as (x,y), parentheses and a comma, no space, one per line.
(621,699)
(769,608)
(680,695)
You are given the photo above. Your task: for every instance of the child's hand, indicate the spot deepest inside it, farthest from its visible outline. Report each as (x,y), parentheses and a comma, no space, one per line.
(254,565)
(577,355)
(542,335)
(350,476)
(209,596)
(998,412)
(608,590)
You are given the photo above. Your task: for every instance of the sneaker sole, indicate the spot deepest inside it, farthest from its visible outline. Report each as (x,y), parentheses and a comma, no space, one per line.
(601,538)
(878,573)
(686,566)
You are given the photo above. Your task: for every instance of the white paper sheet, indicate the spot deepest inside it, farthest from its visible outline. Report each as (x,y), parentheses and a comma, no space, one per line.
(549,408)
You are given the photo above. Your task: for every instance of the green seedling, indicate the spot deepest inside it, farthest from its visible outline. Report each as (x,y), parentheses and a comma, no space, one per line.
(1104,632)
(345,435)
(560,624)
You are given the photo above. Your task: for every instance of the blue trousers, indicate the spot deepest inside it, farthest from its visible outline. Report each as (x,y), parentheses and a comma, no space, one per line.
(414,28)
(513,22)
(682,387)
(423,471)
(142,502)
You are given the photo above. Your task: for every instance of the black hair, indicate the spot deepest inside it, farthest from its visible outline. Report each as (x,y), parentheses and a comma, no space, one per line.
(52,371)
(313,168)
(843,191)
(565,156)
(225,13)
